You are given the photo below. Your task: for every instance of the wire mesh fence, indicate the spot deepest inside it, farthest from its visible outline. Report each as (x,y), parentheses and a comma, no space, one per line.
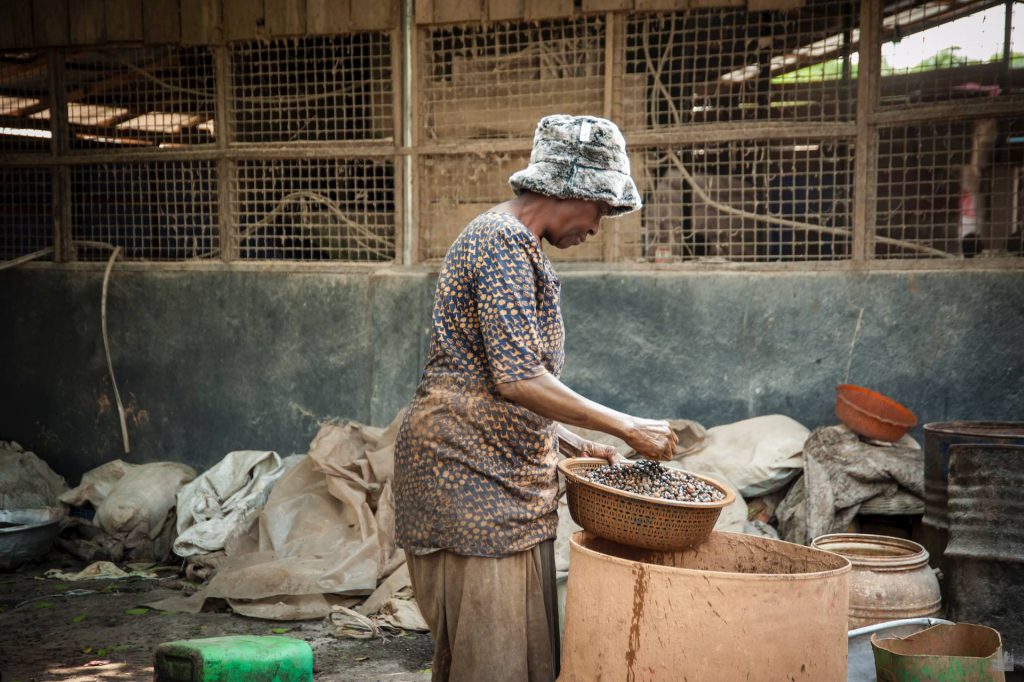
(26,210)
(140,98)
(158,210)
(730,65)
(951,187)
(315,209)
(24,103)
(312,89)
(916,70)
(495,81)
(779,200)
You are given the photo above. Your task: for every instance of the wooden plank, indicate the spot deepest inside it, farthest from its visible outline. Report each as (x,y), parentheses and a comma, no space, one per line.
(424,11)
(243,19)
(200,22)
(50,22)
(704,4)
(15,23)
(505,10)
(458,11)
(161,21)
(327,17)
(548,9)
(87,23)
(668,5)
(123,20)
(865,169)
(375,15)
(769,5)
(285,17)
(607,5)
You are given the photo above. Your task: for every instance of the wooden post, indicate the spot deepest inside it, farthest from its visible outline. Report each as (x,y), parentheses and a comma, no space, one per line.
(225,164)
(61,174)
(612,231)
(400,157)
(869,72)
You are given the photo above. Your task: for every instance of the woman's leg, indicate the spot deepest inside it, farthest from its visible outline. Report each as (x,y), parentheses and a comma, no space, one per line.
(491,619)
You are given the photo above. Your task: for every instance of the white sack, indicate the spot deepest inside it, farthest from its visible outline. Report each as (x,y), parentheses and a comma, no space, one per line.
(138,504)
(224,499)
(758,456)
(27,482)
(97,483)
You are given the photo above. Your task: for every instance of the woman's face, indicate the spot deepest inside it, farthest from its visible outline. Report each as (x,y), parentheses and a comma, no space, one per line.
(573,220)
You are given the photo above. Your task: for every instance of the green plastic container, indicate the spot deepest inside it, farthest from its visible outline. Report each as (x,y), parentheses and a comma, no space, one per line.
(943,653)
(242,658)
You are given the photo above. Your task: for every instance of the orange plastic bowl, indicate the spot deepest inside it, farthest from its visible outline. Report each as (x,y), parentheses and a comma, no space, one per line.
(872,415)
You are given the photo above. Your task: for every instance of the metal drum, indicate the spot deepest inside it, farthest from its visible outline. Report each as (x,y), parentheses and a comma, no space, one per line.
(938,437)
(985,555)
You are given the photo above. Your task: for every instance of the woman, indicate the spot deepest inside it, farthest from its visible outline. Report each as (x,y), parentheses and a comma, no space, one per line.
(475,479)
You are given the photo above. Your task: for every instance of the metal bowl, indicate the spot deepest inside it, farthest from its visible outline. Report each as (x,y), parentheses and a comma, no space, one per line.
(30,537)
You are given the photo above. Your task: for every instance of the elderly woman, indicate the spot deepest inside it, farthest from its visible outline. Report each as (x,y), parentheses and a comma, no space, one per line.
(475,479)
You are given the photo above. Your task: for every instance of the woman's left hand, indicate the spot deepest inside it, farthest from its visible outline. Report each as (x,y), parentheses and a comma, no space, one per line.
(606,452)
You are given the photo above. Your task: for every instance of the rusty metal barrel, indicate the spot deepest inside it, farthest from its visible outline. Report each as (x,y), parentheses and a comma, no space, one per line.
(938,437)
(985,554)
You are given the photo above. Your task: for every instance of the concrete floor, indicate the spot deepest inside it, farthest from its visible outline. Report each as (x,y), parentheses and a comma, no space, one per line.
(54,630)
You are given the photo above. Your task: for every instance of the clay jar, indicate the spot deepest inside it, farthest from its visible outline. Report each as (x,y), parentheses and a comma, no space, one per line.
(890,579)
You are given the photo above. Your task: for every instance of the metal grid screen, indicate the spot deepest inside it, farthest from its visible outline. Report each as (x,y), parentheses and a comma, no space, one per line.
(749,201)
(24,103)
(315,209)
(311,89)
(726,65)
(26,210)
(495,81)
(140,98)
(161,210)
(951,188)
(916,70)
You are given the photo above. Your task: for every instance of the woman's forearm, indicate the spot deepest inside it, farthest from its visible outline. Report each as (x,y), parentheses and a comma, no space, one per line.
(549,397)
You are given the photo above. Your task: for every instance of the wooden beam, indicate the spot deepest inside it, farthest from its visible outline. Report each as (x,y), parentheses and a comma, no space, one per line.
(548,9)
(326,17)
(88,23)
(201,22)
(375,15)
(243,19)
(458,11)
(607,5)
(123,20)
(505,10)
(15,24)
(161,21)
(285,17)
(50,23)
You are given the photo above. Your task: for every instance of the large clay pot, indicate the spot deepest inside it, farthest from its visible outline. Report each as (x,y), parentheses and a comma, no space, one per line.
(890,580)
(736,607)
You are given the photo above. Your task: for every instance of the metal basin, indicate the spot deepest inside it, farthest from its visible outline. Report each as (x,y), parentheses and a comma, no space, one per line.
(26,535)
(861,659)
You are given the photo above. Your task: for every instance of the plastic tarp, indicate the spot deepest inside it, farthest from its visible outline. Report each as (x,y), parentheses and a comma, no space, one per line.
(222,501)
(26,481)
(324,538)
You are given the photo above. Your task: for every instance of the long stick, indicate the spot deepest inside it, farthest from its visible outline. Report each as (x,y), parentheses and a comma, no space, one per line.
(106,347)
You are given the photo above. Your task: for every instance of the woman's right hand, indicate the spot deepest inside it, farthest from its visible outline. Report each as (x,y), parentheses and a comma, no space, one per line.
(652,438)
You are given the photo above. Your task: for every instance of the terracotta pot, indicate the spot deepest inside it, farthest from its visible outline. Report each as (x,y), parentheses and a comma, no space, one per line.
(736,607)
(890,579)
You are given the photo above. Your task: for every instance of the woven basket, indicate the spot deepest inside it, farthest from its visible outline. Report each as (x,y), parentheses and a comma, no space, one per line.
(637,520)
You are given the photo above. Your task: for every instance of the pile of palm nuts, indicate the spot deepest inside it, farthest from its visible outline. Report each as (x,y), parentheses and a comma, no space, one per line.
(653,480)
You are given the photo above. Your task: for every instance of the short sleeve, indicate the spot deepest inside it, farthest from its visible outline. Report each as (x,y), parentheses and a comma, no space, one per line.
(507,306)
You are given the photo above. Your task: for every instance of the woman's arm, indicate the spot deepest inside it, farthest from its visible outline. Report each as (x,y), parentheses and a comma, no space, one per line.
(572,444)
(549,397)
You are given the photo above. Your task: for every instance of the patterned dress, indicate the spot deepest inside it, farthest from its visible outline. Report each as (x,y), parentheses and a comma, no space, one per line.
(474,473)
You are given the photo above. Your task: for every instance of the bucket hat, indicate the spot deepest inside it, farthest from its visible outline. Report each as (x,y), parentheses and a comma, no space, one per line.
(579,157)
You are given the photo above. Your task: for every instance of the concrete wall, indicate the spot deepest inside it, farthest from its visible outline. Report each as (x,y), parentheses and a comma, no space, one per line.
(209,362)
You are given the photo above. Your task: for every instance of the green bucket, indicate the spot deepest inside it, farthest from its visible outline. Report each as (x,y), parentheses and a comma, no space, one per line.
(943,653)
(242,658)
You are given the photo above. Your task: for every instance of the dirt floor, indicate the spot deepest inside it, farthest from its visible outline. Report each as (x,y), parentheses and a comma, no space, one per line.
(94,630)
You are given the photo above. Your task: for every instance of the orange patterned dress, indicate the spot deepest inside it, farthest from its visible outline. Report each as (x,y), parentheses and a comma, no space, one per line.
(474,473)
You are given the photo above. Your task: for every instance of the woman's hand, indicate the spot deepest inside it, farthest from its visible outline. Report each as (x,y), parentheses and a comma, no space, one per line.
(606,452)
(652,438)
